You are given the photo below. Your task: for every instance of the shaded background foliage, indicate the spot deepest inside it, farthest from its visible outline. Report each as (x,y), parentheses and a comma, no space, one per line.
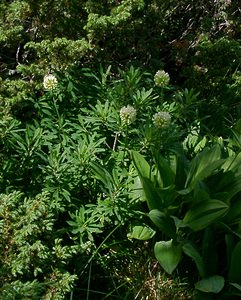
(148,32)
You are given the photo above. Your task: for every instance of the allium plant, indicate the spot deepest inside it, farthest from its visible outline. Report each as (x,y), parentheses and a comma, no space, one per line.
(128,114)
(161,78)
(50,82)
(161,119)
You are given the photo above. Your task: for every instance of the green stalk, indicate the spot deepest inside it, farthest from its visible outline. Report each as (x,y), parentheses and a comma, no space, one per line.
(96,251)
(58,117)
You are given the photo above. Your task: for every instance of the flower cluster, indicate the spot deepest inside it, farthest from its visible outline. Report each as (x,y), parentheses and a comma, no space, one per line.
(50,82)
(161,78)
(161,119)
(128,114)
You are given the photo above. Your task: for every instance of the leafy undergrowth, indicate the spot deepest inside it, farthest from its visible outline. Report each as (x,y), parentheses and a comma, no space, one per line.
(109,189)
(132,275)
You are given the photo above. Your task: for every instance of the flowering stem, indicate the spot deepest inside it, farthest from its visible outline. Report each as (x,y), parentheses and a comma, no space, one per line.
(125,141)
(59,125)
(115,141)
(162,94)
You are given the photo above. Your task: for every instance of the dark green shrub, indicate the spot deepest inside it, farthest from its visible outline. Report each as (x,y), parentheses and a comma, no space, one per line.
(33,259)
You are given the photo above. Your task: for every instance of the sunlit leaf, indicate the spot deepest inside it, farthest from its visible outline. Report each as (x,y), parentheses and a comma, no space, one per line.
(203,165)
(141,233)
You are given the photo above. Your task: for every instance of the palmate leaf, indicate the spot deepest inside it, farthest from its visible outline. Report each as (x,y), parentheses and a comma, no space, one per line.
(203,214)
(168,255)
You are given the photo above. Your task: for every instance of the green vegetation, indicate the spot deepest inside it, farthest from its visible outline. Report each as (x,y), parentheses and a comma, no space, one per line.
(120,150)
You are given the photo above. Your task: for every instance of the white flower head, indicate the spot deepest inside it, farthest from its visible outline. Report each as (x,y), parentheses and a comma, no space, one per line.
(161,78)
(50,82)
(128,114)
(161,119)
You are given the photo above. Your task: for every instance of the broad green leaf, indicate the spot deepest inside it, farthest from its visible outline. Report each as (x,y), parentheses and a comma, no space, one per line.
(213,284)
(200,144)
(234,212)
(222,196)
(232,163)
(203,165)
(141,164)
(178,223)
(167,197)
(220,181)
(235,269)
(236,139)
(153,197)
(137,190)
(203,214)
(190,250)
(141,233)
(181,168)
(234,187)
(206,171)
(168,255)
(200,193)
(184,192)
(163,222)
(166,173)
